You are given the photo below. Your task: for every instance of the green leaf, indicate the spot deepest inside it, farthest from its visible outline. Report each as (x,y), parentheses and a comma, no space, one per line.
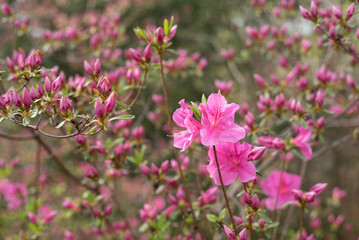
(123,105)
(60,124)
(83,116)
(258,174)
(265,217)
(212,218)
(174,52)
(92,130)
(222,214)
(166,27)
(195,110)
(122,117)
(2,119)
(34,227)
(26,121)
(204,100)
(141,33)
(272,225)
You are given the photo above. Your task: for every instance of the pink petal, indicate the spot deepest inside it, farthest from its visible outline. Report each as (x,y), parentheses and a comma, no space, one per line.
(233,134)
(246,172)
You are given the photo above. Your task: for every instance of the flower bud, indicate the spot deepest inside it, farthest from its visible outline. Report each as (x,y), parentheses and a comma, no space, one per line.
(309,196)
(243,234)
(304,13)
(255,202)
(96,212)
(319,188)
(26,98)
(108,210)
(337,12)
(160,35)
(247,198)
(144,170)
(32,217)
(81,139)
(104,85)
(165,166)
(278,143)
(313,9)
(261,223)
(16,99)
(2,103)
(90,171)
(319,99)
(172,32)
(110,102)
(34,94)
(320,122)
(47,85)
(256,153)
(135,55)
(350,11)
(40,89)
(259,80)
(97,67)
(88,68)
(154,169)
(351,81)
(148,53)
(8,99)
(99,109)
(10,64)
(297,194)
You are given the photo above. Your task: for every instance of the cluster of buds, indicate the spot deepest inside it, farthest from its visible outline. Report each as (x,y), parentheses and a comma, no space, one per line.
(102,110)
(160,38)
(93,69)
(308,197)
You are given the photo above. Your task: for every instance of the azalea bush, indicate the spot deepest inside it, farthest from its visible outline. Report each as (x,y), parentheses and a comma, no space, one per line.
(140,120)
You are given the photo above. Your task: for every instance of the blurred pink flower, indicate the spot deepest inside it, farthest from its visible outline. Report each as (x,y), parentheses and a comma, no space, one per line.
(271,184)
(301,141)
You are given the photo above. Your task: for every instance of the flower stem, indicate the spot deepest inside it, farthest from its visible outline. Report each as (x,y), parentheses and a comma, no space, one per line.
(301,222)
(169,122)
(224,191)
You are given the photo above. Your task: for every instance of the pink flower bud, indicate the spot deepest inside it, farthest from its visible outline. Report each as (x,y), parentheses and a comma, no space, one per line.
(81,139)
(297,194)
(6,9)
(10,64)
(2,103)
(34,94)
(135,55)
(351,81)
(337,12)
(256,153)
(227,54)
(50,216)
(32,217)
(172,32)
(154,169)
(8,99)
(40,89)
(144,170)
(350,11)
(99,109)
(165,166)
(319,188)
(247,198)
(252,32)
(90,171)
(255,201)
(320,122)
(68,204)
(319,99)
(261,223)
(88,68)
(202,64)
(229,232)
(47,85)
(96,212)
(16,99)
(110,103)
(147,53)
(304,13)
(26,98)
(298,108)
(97,66)
(278,143)
(309,197)
(259,80)
(313,9)
(160,35)
(108,210)
(243,234)
(104,85)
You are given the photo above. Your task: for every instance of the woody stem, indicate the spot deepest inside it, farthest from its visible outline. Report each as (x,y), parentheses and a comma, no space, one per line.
(224,190)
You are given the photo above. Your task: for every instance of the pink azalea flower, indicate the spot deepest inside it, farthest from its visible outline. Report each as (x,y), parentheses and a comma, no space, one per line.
(183,118)
(301,141)
(233,163)
(271,184)
(218,121)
